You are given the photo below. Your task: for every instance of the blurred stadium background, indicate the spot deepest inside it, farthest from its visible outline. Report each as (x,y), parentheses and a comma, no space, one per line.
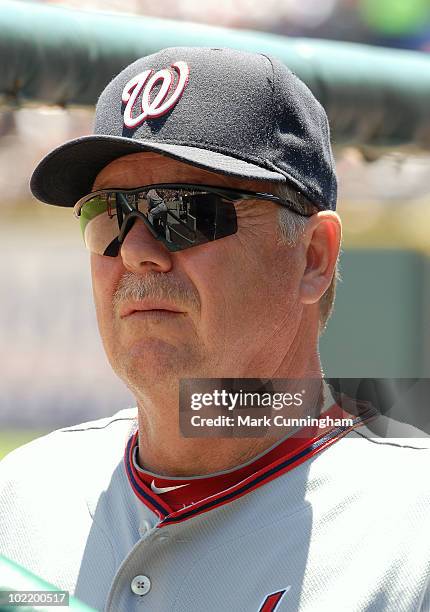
(54,372)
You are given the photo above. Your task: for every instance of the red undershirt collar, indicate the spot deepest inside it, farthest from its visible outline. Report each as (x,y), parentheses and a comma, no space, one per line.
(176,499)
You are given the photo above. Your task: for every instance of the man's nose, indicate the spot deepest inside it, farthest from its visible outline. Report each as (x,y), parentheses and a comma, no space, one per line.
(141,252)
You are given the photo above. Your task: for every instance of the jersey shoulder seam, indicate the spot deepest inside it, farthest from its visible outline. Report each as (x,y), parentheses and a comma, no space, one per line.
(74,428)
(383,442)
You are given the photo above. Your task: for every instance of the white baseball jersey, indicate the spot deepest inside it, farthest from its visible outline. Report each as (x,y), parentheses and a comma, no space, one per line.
(344,528)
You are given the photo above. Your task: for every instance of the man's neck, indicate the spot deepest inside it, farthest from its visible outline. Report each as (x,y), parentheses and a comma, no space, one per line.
(164,450)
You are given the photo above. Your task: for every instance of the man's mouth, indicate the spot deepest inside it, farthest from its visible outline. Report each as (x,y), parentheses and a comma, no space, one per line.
(148,309)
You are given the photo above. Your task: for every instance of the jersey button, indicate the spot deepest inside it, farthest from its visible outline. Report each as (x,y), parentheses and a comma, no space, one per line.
(140,585)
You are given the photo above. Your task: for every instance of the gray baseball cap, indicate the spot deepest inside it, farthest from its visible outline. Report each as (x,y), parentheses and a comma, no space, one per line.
(232,112)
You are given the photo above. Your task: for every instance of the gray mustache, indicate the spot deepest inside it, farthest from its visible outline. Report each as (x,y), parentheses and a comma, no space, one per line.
(156,286)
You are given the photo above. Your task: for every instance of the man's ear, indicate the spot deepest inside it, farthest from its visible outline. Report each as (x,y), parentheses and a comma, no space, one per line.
(322,238)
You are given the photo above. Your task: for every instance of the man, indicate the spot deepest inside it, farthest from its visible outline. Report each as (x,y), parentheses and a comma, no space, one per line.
(128,513)
(157,209)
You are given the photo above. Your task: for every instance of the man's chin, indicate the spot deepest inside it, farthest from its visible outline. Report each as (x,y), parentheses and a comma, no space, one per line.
(155,362)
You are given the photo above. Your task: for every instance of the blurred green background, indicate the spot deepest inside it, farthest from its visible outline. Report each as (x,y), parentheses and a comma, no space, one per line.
(10,439)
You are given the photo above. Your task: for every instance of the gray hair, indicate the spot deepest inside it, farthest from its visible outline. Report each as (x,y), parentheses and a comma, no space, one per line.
(291,229)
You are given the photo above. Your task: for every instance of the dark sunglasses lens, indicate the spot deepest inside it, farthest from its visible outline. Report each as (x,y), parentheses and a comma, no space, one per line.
(179,218)
(186,219)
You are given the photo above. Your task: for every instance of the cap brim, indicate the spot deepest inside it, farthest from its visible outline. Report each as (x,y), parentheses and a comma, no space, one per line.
(67,173)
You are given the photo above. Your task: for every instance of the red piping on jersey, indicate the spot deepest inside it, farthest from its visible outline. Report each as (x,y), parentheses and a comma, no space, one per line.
(303,449)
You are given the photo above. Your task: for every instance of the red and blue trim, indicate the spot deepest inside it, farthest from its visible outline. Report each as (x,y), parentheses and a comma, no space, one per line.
(295,457)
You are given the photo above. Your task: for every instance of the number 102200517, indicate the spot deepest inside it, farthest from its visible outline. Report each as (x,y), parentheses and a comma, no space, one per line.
(34,598)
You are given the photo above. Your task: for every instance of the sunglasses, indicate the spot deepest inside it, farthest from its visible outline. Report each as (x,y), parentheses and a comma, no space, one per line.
(180,216)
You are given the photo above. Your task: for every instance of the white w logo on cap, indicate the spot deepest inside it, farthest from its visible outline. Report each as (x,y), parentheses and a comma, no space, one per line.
(159,105)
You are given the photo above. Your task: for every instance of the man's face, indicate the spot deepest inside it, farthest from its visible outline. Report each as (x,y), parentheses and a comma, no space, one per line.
(236,298)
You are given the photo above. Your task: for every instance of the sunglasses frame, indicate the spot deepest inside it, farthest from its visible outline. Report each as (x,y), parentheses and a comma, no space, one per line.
(233,195)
